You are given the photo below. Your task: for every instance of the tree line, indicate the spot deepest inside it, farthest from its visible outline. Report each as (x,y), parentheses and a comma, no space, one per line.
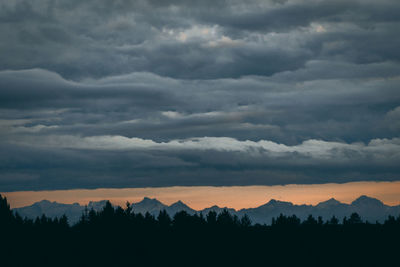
(121,237)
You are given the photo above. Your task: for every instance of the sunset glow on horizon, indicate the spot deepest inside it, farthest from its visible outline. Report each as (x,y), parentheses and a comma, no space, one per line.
(200,197)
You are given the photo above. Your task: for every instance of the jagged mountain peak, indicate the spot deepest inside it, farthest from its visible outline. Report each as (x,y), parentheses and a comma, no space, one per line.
(332,199)
(274,202)
(149,200)
(179,204)
(46,203)
(148,204)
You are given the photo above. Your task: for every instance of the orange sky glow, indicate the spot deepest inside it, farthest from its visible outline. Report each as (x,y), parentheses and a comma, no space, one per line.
(199,197)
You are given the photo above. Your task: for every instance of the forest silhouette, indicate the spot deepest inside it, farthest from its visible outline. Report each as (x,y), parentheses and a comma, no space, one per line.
(121,237)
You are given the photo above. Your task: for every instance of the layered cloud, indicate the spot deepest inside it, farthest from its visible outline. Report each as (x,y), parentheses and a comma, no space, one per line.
(194,39)
(153,93)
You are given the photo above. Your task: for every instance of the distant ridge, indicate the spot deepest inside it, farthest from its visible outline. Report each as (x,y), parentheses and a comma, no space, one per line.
(329,202)
(367,201)
(368,208)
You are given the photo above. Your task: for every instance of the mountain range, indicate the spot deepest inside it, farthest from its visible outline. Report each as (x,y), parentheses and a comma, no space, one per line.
(370,209)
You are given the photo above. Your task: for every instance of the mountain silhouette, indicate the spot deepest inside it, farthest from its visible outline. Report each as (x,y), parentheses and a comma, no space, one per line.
(150,205)
(364,201)
(329,203)
(370,209)
(179,206)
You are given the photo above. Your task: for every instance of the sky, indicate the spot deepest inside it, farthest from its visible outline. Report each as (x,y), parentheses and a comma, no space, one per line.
(151,93)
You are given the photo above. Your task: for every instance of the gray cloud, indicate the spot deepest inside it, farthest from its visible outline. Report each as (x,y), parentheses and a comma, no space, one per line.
(194,39)
(153,93)
(107,162)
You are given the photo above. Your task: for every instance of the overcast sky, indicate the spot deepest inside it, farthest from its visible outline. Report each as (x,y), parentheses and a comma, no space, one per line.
(124,93)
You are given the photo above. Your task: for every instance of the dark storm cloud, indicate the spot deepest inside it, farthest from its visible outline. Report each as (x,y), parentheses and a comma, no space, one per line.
(49,168)
(193,39)
(38,88)
(155,93)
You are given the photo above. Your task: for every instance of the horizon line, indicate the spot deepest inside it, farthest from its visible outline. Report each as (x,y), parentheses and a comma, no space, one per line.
(200,197)
(199,210)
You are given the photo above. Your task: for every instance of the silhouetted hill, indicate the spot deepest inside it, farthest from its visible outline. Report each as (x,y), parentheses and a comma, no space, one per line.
(370,209)
(265,213)
(52,209)
(55,209)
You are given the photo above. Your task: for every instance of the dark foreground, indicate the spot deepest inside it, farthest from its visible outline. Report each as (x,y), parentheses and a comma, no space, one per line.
(118,237)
